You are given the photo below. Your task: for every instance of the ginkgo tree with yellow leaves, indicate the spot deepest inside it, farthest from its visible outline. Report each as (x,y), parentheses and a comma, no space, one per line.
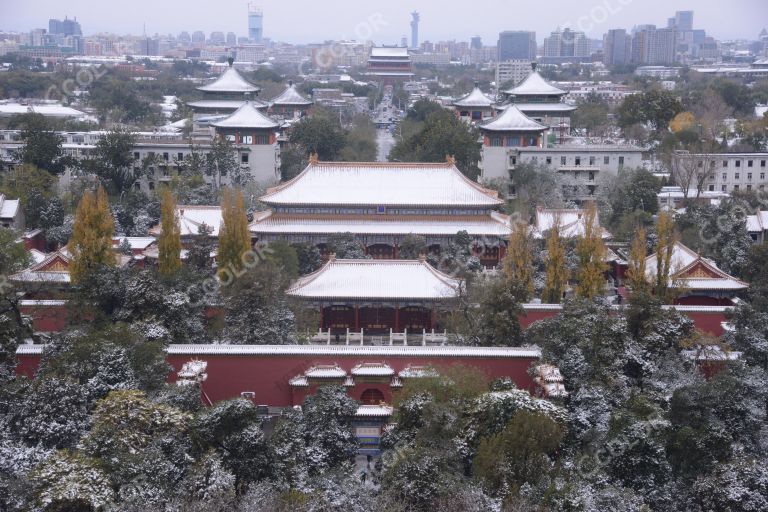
(169,242)
(234,237)
(92,232)
(590,251)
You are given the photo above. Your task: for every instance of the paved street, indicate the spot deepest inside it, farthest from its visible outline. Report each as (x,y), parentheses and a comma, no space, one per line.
(385,141)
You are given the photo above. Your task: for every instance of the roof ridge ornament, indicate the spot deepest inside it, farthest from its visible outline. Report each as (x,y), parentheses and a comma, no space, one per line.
(313,158)
(450,159)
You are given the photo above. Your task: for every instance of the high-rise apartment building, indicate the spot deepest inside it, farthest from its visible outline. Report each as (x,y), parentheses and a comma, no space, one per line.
(566,43)
(617,47)
(654,46)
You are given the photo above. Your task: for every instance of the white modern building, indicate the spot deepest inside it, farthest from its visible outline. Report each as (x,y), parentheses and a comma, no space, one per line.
(724,172)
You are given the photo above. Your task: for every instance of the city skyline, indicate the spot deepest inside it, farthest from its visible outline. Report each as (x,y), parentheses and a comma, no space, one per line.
(383,24)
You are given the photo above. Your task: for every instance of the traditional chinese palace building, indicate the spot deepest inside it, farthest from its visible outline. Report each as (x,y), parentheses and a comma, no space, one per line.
(290,104)
(699,279)
(390,64)
(475,106)
(543,102)
(254,136)
(381,204)
(377,296)
(226,94)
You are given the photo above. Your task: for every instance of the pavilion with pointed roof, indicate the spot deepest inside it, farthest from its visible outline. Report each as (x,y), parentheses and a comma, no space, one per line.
(226,94)
(381,204)
(290,104)
(512,128)
(699,279)
(475,106)
(541,101)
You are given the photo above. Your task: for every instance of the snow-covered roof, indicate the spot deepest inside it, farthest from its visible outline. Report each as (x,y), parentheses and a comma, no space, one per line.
(495,224)
(230,81)
(47,110)
(571,221)
(291,96)
(549,378)
(54,268)
(535,85)
(374,411)
(194,370)
(191,217)
(299,381)
(372,370)
(383,51)
(247,116)
(325,371)
(512,120)
(335,350)
(138,243)
(758,222)
(694,272)
(376,279)
(226,104)
(476,98)
(37,256)
(711,353)
(543,107)
(9,208)
(381,184)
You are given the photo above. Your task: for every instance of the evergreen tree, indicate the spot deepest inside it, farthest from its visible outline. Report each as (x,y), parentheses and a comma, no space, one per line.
(91,242)
(234,238)
(199,256)
(590,251)
(637,255)
(169,243)
(518,263)
(555,267)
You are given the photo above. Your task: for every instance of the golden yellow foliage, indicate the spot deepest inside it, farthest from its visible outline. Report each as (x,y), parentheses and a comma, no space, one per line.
(91,242)
(518,262)
(682,121)
(590,250)
(169,242)
(234,237)
(555,266)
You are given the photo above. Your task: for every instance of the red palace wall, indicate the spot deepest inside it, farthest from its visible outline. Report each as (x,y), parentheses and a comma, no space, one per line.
(705,318)
(268,376)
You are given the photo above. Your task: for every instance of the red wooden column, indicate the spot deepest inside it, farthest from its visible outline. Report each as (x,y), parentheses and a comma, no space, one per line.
(397,317)
(357,317)
(322,317)
(432,318)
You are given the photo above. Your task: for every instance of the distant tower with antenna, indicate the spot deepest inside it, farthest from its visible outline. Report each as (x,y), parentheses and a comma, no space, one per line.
(415,29)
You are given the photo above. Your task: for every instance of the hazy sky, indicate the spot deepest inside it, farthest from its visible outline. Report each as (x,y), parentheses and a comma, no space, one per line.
(304,21)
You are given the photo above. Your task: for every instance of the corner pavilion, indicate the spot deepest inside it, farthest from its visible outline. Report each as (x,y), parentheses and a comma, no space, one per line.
(381,204)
